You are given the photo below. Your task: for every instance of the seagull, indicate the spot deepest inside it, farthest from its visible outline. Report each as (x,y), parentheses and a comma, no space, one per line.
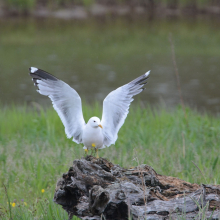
(96,134)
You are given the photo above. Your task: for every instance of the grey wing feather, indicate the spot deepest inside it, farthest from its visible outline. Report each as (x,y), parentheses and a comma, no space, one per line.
(65,100)
(116,107)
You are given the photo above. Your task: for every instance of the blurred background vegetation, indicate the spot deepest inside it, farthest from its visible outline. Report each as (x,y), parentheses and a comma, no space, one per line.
(26,6)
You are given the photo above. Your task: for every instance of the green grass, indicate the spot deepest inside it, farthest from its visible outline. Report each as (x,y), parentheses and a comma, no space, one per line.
(34,152)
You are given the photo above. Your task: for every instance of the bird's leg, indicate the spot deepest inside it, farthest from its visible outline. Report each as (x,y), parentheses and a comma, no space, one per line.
(97,155)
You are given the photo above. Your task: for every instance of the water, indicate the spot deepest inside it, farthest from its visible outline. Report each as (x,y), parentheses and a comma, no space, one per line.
(95,57)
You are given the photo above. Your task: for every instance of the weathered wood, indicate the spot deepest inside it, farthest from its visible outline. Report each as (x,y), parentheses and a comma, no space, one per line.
(96,189)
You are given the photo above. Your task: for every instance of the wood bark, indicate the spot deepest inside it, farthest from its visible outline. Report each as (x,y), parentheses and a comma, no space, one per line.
(96,189)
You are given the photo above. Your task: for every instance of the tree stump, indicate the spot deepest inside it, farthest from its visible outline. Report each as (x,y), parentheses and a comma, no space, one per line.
(96,189)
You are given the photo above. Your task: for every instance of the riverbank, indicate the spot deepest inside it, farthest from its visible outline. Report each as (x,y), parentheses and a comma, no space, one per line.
(34,152)
(85,9)
(113,52)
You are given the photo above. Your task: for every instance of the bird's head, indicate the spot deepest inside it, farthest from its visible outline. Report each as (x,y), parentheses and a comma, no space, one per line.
(95,122)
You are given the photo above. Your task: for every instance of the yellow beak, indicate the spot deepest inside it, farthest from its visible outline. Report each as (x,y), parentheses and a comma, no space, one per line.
(100,126)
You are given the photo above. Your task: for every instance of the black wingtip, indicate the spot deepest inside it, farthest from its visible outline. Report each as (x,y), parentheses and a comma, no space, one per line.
(141,81)
(144,83)
(36,73)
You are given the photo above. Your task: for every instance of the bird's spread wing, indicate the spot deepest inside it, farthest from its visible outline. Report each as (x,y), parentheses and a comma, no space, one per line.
(116,105)
(65,100)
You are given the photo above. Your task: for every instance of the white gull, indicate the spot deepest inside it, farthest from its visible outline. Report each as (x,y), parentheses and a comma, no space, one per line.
(66,101)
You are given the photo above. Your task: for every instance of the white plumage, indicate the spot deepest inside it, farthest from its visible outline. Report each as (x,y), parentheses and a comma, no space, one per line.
(67,102)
